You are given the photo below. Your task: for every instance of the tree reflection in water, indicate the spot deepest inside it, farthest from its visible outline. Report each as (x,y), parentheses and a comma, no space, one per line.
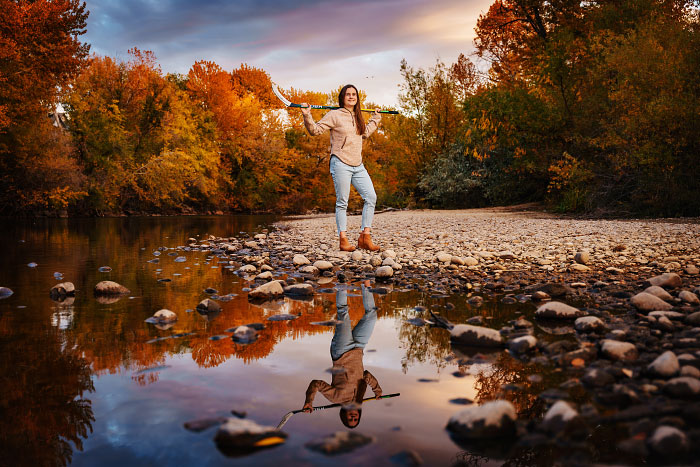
(42,409)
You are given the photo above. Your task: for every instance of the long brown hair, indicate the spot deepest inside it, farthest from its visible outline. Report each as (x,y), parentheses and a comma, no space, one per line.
(358,108)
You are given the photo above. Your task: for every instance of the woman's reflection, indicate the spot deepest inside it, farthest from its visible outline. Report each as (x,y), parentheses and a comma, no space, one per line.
(347,349)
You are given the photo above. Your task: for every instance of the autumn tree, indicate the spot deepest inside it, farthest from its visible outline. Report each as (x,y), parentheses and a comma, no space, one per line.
(40,53)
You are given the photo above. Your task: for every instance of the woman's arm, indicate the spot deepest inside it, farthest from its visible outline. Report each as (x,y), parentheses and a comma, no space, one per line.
(372,124)
(316,128)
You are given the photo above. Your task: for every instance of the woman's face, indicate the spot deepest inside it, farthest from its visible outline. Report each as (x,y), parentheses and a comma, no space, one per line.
(350,98)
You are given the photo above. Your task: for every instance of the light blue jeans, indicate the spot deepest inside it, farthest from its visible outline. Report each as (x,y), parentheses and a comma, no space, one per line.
(345,337)
(343,176)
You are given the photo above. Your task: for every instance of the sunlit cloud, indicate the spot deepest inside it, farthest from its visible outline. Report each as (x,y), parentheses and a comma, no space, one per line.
(314,45)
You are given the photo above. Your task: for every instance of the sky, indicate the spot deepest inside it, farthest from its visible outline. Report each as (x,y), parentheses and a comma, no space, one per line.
(314,45)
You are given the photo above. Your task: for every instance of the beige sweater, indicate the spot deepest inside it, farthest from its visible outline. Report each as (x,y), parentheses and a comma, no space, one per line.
(344,387)
(345,142)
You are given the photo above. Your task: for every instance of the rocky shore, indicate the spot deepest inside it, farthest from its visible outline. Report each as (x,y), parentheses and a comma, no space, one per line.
(617,300)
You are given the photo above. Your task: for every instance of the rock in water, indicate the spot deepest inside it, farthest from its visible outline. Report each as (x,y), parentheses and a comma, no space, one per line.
(64,289)
(5,292)
(589,324)
(689,297)
(522,344)
(165,316)
(267,291)
(241,436)
(208,306)
(617,350)
(665,365)
(300,260)
(494,419)
(339,442)
(466,334)
(384,272)
(323,265)
(304,290)
(558,416)
(244,335)
(110,288)
(669,279)
(647,302)
(558,310)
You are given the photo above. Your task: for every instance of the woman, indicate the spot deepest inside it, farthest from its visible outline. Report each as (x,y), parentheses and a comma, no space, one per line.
(348,129)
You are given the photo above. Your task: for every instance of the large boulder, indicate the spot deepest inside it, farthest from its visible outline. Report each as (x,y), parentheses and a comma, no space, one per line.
(494,419)
(477,336)
(558,310)
(110,288)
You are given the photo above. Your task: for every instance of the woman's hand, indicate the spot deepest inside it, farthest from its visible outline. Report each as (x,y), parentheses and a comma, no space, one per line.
(306,109)
(376,114)
(308,408)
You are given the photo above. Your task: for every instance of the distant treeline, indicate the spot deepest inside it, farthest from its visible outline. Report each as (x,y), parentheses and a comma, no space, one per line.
(585,106)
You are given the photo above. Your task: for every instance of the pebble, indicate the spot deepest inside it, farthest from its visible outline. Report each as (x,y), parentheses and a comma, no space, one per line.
(207,306)
(384,272)
(558,310)
(300,260)
(647,302)
(478,336)
(110,288)
(587,324)
(669,279)
(668,441)
(266,291)
(665,365)
(5,292)
(617,350)
(689,297)
(658,292)
(322,265)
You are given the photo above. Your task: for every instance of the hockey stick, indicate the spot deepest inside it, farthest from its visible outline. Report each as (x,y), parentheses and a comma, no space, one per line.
(289,414)
(288,103)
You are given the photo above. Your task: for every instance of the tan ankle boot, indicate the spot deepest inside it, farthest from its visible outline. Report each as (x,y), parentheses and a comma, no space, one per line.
(345,244)
(365,242)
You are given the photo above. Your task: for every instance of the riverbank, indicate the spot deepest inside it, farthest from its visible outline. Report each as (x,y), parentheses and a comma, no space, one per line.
(616,300)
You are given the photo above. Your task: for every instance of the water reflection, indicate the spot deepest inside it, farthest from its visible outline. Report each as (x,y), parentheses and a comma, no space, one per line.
(350,379)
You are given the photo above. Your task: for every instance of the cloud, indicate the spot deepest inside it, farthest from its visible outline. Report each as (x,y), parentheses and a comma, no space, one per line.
(311,44)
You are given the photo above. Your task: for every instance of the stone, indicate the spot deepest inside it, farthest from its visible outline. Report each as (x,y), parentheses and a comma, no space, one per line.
(683,386)
(558,310)
(303,289)
(668,441)
(506,254)
(244,335)
(238,435)
(313,270)
(665,365)
(689,297)
(597,378)
(669,279)
(247,269)
(458,260)
(165,316)
(522,344)
(266,276)
(658,292)
(691,371)
(267,291)
(667,314)
(5,292)
(339,442)
(207,306)
(389,254)
(692,270)
(110,288)
(558,416)
(356,255)
(647,302)
(614,270)
(582,257)
(375,261)
(300,260)
(470,261)
(540,296)
(617,350)
(494,419)
(478,336)
(579,267)
(588,324)
(384,272)
(323,265)
(64,289)
(443,257)
(693,319)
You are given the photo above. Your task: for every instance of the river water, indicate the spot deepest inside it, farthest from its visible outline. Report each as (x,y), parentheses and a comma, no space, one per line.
(89,382)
